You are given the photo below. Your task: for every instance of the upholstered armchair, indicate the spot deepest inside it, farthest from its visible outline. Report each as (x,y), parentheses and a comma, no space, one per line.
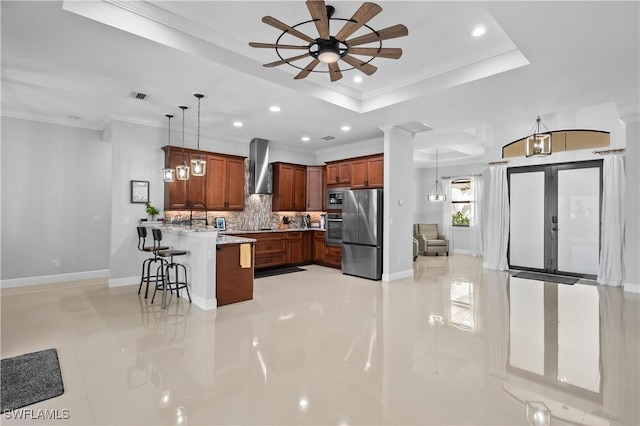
(429,242)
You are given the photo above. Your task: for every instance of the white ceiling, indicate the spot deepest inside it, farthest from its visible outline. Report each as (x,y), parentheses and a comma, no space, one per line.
(77,61)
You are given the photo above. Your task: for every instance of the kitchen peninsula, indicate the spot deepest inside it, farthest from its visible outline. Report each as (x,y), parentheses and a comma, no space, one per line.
(203,244)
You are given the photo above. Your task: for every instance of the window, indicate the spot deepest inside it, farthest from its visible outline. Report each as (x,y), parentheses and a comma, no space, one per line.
(460,202)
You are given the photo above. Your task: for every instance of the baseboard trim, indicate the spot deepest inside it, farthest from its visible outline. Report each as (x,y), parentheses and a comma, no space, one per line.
(632,288)
(50,279)
(461,251)
(123,282)
(397,275)
(202,303)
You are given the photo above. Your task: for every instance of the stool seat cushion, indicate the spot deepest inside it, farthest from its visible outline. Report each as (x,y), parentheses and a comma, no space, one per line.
(167,253)
(151,249)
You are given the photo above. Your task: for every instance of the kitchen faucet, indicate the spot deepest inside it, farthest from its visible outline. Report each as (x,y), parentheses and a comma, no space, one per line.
(199,203)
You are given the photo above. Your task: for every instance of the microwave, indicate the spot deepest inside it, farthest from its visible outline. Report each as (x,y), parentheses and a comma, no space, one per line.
(335,198)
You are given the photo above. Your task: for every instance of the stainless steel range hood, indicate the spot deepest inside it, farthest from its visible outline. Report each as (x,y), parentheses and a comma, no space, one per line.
(260,178)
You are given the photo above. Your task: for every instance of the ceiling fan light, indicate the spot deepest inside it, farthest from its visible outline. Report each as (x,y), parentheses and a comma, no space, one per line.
(328,55)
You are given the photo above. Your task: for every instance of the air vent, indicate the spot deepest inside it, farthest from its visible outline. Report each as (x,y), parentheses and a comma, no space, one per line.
(328,138)
(138,95)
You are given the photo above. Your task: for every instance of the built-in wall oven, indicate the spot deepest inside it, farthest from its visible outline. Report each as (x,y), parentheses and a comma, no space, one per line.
(334,229)
(335,198)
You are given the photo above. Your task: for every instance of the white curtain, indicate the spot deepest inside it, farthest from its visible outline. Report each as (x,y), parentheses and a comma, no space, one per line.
(475,224)
(612,232)
(447,228)
(496,236)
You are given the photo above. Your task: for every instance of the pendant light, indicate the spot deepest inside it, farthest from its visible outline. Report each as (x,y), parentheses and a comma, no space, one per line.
(182,171)
(198,164)
(538,144)
(436,194)
(168,174)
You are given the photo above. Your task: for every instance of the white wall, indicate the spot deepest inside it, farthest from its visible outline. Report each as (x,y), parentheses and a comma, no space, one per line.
(55,181)
(426,212)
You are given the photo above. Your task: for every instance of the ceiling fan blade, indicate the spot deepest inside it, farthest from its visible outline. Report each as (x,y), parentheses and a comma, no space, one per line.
(368,69)
(334,71)
(385,52)
(307,70)
(276,46)
(318,12)
(270,20)
(284,61)
(385,34)
(364,14)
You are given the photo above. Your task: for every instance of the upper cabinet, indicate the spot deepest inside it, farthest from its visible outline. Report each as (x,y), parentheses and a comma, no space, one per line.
(289,187)
(225,182)
(367,172)
(221,188)
(315,187)
(338,172)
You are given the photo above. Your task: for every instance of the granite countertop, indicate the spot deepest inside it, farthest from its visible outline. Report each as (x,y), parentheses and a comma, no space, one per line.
(258,231)
(228,239)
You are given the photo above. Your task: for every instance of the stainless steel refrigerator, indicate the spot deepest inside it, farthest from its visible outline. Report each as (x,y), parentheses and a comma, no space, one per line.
(362,233)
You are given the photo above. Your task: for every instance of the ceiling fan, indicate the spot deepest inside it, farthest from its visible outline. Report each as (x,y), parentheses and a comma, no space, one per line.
(330,49)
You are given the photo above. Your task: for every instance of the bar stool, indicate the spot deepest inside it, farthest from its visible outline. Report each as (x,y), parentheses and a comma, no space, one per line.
(146,265)
(167,271)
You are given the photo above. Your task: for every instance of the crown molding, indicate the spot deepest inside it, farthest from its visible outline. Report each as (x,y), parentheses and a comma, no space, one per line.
(48,120)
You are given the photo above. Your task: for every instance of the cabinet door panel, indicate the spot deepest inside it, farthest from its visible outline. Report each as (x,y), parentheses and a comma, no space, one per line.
(299,188)
(345,172)
(283,187)
(176,191)
(294,251)
(375,172)
(359,174)
(235,184)
(314,189)
(216,172)
(196,187)
(333,173)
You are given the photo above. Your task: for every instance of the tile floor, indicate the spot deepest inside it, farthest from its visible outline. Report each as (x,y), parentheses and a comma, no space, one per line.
(455,345)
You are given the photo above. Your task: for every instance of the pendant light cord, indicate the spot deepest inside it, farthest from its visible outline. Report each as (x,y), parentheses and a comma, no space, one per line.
(168,163)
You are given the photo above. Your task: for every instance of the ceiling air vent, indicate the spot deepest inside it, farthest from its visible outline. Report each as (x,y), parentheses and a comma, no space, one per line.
(138,95)
(328,138)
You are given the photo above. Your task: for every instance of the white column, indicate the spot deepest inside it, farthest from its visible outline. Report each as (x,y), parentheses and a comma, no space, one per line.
(632,227)
(397,253)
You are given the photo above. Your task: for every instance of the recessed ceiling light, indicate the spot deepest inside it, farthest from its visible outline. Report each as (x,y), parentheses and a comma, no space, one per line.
(237,123)
(478,31)
(274,108)
(345,128)
(357,79)
(306,139)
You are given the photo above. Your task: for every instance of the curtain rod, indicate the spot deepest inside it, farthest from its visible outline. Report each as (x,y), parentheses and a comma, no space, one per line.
(609,151)
(460,176)
(498,162)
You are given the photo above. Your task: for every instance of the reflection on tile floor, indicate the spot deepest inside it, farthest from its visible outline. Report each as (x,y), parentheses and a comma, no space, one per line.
(455,345)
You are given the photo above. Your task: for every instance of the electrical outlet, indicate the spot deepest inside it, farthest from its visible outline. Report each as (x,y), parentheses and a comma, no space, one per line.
(126,220)
(55,263)
(96,219)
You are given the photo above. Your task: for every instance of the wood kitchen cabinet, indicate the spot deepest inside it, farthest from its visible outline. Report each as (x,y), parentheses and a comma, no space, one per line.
(333,256)
(289,187)
(221,188)
(175,193)
(233,282)
(315,188)
(294,247)
(319,247)
(338,172)
(225,182)
(367,172)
